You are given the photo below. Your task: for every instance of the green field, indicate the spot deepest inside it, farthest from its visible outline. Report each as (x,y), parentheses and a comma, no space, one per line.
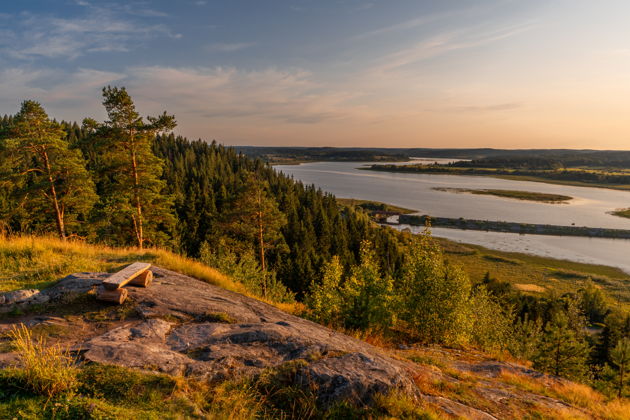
(514,194)
(530,273)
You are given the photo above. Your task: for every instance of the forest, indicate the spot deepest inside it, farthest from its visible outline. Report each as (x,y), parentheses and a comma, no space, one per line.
(129,181)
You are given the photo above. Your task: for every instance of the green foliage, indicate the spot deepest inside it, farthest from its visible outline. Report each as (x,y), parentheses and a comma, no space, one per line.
(492,323)
(434,296)
(620,357)
(42,176)
(254,220)
(563,350)
(593,303)
(325,298)
(245,269)
(206,180)
(526,337)
(616,327)
(367,295)
(133,208)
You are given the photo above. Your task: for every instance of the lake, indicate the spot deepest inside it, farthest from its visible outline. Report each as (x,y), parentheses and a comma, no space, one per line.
(589,207)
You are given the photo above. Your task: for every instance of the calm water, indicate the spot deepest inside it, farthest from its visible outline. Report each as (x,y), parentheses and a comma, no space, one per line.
(589,207)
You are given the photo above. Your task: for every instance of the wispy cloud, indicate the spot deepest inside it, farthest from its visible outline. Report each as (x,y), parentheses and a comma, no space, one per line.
(97,29)
(288,96)
(442,43)
(65,92)
(224,47)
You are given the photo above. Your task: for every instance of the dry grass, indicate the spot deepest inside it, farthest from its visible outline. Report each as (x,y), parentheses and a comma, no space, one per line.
(34,262)
(577,395)
(529,287)
(46,370)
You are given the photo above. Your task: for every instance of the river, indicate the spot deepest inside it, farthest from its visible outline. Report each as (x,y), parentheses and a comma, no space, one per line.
(589,207)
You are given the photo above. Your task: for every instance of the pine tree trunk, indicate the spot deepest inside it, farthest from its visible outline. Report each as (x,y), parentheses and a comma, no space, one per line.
(137,219)
(557,367)
(261,244)
(621,372)
(61,228)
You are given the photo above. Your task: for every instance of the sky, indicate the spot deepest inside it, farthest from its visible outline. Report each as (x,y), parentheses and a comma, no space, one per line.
(361,73)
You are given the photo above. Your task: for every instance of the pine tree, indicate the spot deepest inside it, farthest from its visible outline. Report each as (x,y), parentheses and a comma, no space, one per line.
(254,218)
(51,176)
(131,189)
(620,357)
(563,351)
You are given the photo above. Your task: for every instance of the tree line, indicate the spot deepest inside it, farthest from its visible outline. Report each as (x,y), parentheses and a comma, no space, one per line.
(127,181)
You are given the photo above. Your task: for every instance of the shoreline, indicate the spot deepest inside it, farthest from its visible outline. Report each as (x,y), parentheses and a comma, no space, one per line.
(530,178)
(512,227)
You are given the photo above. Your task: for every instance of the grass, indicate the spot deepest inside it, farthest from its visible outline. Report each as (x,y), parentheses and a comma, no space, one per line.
(47,370)
(513,194)
(575,394)
(537,272)
(37,262)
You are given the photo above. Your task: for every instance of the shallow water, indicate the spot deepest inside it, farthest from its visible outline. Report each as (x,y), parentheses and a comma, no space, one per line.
(589,207)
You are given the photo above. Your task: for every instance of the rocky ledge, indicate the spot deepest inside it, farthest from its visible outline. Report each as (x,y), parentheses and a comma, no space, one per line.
(187,327)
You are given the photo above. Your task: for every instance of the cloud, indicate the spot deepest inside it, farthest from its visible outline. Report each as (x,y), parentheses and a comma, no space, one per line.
(445,42)
(69,96)
(98,29)
(273,95)
(222,47)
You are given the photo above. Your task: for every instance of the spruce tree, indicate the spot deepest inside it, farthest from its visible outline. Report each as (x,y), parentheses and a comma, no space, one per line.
(51,176)
(133,202)
(620,357)
(254,218)
(563,351)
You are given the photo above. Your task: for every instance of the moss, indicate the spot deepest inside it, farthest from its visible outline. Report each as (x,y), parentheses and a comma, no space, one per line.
(219,317)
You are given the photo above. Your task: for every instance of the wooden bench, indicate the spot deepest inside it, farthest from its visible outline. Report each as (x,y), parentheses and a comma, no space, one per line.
(137,274)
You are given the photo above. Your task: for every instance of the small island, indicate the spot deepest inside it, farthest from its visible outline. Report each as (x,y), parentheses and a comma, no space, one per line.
(621,213)
(517,195)
(374,206)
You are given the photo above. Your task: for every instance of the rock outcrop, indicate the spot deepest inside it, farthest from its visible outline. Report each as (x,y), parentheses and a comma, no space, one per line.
(187,327)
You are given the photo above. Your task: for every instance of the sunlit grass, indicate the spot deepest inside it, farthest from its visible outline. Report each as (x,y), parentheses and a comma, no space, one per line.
(36,262)
(575,394)
(47,370)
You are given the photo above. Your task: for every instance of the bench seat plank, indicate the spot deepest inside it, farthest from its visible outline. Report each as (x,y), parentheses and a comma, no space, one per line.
(125,275)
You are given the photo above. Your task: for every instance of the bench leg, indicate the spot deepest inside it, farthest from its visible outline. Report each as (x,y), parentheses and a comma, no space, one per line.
(143,280)
(117,296)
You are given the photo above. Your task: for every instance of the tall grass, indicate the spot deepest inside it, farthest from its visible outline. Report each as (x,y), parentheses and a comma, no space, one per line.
(37,261)
(46,370)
